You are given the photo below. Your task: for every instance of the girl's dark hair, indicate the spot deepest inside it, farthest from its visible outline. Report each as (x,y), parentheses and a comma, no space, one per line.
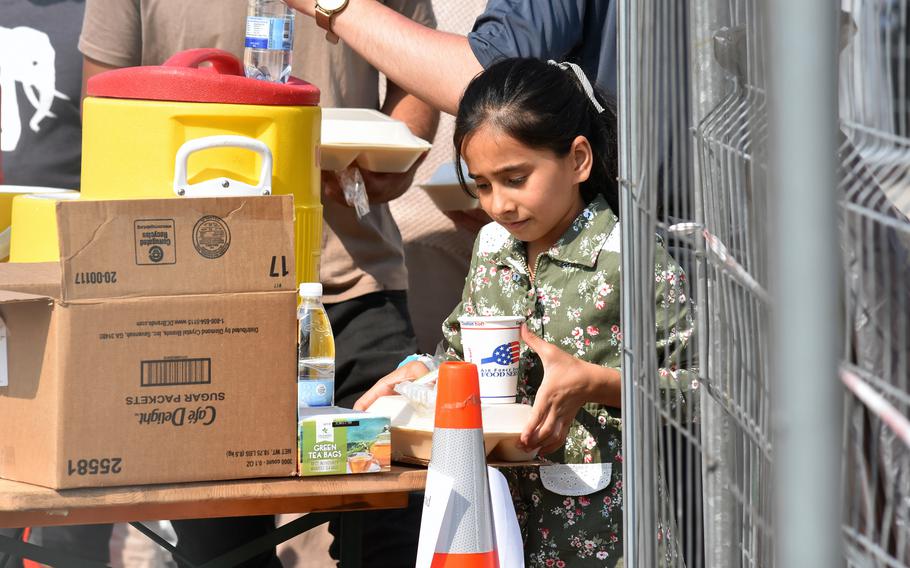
(543,106)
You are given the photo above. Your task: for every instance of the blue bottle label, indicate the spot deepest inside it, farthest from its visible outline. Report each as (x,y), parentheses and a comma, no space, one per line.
(269,33)
(315,392)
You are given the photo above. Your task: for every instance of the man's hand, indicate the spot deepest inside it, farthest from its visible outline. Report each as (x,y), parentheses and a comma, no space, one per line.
(385,385)
(331,187)
(381,187)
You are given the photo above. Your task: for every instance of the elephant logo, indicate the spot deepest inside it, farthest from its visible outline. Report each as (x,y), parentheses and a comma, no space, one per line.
(27,57)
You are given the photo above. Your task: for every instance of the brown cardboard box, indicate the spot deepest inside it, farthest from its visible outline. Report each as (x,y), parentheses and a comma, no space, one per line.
(160,349)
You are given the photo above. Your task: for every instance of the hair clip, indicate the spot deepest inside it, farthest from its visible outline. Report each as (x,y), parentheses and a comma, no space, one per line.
(583,79)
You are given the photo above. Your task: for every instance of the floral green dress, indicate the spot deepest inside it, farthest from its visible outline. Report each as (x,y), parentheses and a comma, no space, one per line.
(571,515)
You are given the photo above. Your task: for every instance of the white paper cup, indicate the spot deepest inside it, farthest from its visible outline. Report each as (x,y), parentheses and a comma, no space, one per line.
(493,344)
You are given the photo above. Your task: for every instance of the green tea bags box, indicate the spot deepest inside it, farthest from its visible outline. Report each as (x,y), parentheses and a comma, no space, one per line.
(336,440)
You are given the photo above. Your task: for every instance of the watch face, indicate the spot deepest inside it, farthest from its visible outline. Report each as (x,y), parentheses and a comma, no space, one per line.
(331,5)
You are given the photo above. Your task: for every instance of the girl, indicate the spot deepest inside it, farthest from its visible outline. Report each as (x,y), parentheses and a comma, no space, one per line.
(541,147)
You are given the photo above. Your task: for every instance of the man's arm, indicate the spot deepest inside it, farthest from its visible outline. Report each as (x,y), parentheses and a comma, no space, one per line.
(435,66)
(420,117)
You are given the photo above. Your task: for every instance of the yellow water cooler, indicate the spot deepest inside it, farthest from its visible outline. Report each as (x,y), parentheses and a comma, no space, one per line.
(193,127)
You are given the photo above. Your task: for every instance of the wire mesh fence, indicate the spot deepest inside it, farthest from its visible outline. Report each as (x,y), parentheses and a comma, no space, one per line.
(693,103)
(874,155)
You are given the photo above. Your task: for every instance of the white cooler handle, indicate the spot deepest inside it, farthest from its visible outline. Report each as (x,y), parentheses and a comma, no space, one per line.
(222,187)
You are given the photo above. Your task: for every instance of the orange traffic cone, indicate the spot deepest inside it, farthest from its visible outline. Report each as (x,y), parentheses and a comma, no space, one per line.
(466,537)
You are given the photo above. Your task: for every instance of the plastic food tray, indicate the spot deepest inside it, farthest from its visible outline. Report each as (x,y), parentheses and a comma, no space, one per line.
(445,191)
(372,140)
(412,434)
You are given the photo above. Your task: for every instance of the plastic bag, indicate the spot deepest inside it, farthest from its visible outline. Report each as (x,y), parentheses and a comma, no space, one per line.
(420,394)
(355,191)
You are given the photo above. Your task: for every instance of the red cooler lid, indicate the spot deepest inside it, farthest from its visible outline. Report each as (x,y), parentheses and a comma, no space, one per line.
(182,79)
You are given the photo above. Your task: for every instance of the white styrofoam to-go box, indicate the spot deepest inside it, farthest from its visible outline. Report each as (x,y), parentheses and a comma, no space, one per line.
(412,433)
(445,190)
(373,140)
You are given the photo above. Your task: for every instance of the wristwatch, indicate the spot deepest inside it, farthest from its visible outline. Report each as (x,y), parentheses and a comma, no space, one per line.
(326,10)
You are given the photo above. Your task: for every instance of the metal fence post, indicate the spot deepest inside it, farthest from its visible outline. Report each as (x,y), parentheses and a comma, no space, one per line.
(627,110)
(806,391)
(708,87)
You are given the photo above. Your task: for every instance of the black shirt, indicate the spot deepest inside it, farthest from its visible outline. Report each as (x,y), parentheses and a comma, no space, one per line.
(40,68)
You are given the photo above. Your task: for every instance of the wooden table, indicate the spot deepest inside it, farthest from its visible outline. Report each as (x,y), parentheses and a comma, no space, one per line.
(22,504)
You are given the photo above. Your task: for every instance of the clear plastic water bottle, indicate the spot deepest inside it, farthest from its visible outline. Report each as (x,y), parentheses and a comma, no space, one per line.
(269,40)
(316,351)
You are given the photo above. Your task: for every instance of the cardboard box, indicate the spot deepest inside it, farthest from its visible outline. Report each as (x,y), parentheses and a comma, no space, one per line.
(338,440)
(160,349)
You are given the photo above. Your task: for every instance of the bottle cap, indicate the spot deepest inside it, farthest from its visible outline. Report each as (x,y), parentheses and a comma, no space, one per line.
(310,290)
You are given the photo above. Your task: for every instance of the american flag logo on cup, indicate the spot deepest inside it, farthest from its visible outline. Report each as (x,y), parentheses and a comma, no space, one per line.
(505,354)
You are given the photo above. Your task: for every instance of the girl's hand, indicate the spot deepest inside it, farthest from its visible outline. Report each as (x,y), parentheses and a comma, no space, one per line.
(385,385)
(564,389)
